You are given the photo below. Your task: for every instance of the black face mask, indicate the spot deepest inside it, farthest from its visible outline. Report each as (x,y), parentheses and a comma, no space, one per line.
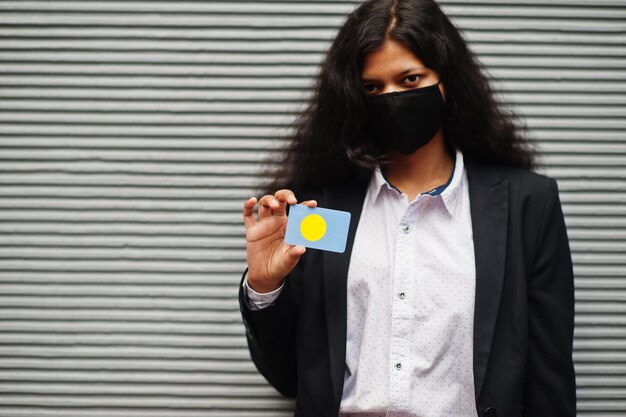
(406,120)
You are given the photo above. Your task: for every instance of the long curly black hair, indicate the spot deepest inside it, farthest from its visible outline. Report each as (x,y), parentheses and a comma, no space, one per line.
(329,142)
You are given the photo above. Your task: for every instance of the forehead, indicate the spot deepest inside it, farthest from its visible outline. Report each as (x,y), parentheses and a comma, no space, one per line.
(392,57)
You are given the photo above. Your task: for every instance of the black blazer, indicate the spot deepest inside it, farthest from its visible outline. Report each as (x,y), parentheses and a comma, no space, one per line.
(524,305)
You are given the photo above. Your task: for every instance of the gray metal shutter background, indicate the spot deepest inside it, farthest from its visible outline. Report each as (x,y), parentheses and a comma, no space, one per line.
(130,135)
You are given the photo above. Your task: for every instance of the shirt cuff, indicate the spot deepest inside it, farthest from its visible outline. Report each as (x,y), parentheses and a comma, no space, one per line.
(257,300)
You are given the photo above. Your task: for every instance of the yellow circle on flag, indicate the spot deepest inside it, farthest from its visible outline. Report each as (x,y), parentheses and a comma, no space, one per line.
(313,227)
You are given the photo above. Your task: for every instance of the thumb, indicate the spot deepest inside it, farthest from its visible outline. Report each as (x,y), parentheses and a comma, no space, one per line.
(292,254)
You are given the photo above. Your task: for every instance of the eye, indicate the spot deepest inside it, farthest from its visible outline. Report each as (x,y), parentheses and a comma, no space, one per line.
(412,78)
(370,88)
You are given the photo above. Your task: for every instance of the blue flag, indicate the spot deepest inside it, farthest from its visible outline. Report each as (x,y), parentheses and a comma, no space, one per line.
(317,228)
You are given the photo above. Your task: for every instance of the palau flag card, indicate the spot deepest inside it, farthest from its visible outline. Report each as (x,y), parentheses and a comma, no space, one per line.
(317,228)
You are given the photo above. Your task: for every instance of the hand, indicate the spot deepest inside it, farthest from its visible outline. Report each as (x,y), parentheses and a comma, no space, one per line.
(270,259)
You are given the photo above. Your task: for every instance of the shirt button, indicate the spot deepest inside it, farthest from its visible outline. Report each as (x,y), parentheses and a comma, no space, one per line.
(398,365)
(401,295)
(405,229)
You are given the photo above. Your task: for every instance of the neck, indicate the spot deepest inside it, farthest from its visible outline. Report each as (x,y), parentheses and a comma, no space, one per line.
(423,170)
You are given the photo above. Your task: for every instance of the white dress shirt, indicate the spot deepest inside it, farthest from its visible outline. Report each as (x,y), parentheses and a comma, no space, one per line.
(410,303)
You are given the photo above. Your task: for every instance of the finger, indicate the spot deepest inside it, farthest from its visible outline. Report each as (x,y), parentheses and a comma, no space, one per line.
(297,250)
(248,212)
(294,252)
(310,203)
(291,255)
(266,205)
(289,195)
(284,197)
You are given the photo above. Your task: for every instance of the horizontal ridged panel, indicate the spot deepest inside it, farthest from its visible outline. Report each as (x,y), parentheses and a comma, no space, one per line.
(131,132)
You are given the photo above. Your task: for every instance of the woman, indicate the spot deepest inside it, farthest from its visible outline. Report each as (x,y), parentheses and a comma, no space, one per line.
(454,296)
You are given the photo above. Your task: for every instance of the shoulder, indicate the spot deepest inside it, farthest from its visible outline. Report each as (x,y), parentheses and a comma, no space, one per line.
(521,181)
(526,181)
(530,193)
(534,197)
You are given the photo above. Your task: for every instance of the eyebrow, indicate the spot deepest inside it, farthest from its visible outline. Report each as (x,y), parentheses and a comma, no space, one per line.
(401,73)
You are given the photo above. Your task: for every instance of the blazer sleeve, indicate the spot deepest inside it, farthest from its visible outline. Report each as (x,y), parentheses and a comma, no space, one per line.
(550,384)
(271,337)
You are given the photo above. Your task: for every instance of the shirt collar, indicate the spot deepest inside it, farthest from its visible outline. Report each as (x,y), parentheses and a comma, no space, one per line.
(451,195)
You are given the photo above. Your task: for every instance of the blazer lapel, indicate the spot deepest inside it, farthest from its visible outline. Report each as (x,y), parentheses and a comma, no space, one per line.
(335,270)
(489,206)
